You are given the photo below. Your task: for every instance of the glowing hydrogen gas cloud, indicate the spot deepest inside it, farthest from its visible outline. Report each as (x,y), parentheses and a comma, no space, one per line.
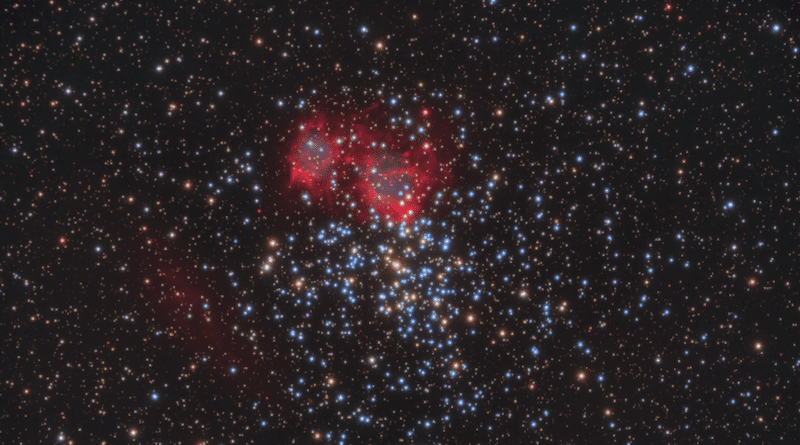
(372,165)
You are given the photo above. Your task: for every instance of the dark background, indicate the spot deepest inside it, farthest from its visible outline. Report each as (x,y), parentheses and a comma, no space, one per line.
(672,132)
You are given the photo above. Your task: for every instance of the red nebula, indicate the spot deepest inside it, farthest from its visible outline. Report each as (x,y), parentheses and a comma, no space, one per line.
(315,154)
(369,164)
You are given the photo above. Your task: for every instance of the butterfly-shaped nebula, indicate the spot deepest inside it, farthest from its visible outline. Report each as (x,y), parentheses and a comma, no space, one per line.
(363,163)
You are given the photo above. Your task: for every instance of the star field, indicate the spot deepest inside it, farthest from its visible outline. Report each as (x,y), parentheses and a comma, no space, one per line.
(484,222)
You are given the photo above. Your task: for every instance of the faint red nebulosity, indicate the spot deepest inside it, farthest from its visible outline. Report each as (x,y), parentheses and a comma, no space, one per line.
(368,165)
(186,306)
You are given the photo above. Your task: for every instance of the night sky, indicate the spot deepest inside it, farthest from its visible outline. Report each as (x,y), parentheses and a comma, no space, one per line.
(465,222)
